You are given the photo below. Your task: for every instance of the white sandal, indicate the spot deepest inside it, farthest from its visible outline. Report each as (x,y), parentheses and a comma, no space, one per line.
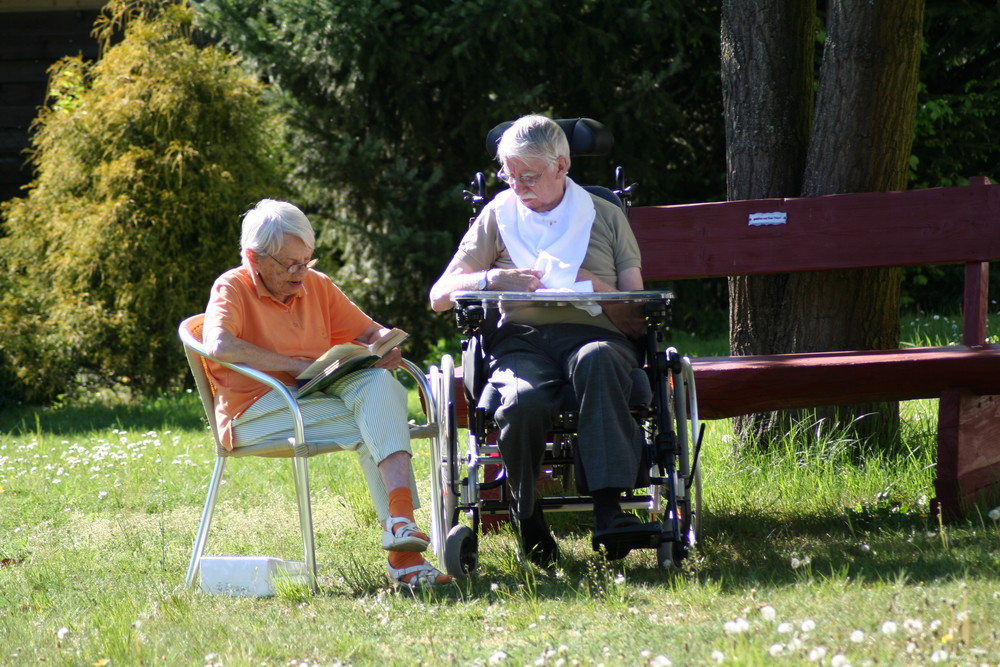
(403,535)
(425,575)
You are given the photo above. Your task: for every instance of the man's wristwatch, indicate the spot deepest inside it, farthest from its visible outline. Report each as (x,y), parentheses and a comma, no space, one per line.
(484,282)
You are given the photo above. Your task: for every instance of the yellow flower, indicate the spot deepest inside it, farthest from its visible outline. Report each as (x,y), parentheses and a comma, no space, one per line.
(947,638)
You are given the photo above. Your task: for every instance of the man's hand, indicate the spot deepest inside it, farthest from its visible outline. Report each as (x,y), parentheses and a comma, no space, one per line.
(515,280)
(628,317)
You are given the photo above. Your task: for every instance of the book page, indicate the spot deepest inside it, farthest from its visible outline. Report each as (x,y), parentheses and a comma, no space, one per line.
(337,352)
(393,338)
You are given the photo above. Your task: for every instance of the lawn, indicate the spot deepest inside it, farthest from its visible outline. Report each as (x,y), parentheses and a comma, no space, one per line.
(806,556)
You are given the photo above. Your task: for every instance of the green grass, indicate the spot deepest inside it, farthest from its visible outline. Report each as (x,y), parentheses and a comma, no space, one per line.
(806,557)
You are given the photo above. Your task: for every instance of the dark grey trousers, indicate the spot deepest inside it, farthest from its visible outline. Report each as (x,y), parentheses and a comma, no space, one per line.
(530,368)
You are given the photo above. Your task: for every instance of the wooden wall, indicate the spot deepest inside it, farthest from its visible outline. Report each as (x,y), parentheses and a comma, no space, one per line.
(30,41)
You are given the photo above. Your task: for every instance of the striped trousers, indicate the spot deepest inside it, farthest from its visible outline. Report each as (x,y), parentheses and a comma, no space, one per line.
(365,412)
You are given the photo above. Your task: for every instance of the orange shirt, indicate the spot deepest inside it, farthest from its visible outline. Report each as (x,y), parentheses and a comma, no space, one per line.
(318,317)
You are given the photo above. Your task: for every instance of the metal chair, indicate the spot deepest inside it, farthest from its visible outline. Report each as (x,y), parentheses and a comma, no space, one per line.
(296,448)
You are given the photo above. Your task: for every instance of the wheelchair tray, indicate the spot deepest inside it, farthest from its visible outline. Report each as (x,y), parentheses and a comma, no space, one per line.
(555,298)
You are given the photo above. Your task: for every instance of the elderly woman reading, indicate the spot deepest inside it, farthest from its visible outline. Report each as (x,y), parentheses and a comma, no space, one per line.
(277,314)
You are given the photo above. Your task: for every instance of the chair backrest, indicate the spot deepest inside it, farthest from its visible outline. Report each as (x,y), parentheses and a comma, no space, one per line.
(192,326)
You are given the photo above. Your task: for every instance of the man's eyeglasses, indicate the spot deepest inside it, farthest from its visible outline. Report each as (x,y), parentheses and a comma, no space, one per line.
(527,180)
(294,268)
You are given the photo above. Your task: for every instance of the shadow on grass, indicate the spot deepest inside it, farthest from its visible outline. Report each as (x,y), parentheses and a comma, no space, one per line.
(743,551)
(738,553)
(183,412)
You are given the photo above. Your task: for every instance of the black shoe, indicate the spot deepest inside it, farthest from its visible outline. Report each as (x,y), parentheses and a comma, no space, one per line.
(537,542)
(626,532)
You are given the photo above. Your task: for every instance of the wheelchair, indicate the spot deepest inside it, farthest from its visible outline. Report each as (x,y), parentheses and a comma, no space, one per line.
(468,486)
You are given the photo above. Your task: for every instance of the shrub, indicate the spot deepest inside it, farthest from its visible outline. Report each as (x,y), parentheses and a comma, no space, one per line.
(144,161)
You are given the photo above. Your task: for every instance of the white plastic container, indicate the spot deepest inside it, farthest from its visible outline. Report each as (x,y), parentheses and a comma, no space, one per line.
(250,576)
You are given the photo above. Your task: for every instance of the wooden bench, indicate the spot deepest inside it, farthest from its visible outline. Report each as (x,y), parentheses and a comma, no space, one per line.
(920,227)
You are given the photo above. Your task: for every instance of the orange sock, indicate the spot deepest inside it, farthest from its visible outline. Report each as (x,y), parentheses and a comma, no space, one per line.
(401,559)
(401,502)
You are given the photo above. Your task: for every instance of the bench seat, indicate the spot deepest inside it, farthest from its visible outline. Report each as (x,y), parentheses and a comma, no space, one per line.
(733,386)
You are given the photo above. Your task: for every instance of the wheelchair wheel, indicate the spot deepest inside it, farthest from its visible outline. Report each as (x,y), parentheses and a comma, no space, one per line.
(461,551)
(444,454)
(687,470)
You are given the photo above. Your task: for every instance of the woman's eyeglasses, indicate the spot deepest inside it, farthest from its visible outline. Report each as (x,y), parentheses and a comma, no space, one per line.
(294,268)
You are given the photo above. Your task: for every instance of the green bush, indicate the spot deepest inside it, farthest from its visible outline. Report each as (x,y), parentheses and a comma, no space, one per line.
(144,161)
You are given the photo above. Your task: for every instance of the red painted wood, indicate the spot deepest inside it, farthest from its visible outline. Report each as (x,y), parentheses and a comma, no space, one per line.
(933,226)
(731,386)
(968,451)
(975,302)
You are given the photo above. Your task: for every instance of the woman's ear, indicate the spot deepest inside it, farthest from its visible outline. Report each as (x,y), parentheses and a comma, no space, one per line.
(252,258)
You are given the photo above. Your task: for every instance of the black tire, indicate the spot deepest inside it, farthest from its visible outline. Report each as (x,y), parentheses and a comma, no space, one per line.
(461,551)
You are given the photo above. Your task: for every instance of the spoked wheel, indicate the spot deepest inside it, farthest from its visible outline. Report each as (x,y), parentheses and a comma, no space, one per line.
(444,448)
(461,552)
(687,477)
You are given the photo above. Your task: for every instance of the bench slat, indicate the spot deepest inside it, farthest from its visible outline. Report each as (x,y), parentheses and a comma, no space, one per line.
(732,386)
(933,226)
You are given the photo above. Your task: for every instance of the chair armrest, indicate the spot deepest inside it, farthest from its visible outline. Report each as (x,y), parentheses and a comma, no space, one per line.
(198,347)
(430,427)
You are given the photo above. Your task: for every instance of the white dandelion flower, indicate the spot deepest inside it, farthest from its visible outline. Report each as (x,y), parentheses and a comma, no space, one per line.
(857,636)
(889,628)
(737,626)
(785,628)
(768,612)
(808,625)
(817,654)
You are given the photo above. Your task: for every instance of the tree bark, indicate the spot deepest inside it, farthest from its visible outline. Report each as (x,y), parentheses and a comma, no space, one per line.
(859,142)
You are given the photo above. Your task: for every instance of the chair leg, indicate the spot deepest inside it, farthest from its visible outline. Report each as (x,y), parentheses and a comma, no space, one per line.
(300,470)
(206,521)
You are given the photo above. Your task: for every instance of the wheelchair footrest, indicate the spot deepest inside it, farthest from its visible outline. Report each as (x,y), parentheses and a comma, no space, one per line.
(630,536)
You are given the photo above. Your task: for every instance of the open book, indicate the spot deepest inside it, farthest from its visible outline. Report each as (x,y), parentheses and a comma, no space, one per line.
(346,358)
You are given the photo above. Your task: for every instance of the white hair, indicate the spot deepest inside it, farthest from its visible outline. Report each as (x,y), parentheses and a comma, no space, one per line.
(533,137)
(265,226)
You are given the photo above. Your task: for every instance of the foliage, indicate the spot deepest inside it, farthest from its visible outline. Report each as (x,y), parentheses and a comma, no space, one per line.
(144,160)
(959,101)
(389,103)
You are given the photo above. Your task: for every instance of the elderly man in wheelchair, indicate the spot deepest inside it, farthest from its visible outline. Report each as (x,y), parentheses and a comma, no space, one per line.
(560,259)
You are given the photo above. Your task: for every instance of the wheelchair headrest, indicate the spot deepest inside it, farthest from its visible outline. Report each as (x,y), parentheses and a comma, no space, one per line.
(586,136)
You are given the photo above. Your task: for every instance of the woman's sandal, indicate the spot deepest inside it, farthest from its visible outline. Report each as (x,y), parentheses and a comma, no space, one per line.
(424,575)
(404,535)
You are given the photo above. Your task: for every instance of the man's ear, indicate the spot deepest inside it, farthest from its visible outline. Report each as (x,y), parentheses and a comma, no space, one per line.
(562,165)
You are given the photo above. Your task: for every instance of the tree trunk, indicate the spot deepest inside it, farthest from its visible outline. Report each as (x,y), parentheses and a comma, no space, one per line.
(860,141)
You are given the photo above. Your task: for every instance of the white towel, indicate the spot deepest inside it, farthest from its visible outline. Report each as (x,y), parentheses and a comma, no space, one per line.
(554,242)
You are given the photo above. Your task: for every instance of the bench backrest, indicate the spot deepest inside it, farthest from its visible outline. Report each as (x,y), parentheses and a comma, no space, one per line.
(958,224)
